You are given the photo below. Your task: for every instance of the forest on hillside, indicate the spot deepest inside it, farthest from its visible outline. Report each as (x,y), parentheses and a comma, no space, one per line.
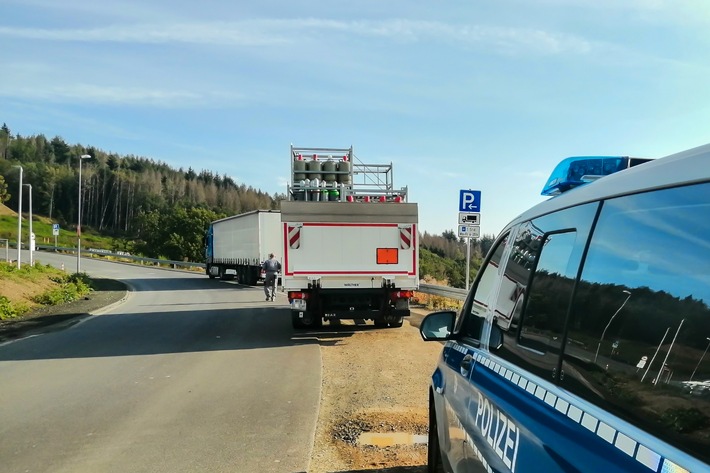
(159,211)
(122,196)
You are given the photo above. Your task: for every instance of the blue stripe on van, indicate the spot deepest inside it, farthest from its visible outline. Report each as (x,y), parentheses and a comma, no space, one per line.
(621,441)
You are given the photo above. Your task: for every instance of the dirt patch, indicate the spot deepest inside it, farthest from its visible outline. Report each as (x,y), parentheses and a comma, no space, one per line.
(22,290)
(5,210)
(374,380)
(388,450)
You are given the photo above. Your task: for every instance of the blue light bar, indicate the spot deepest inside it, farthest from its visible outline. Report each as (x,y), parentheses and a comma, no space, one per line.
(580,170)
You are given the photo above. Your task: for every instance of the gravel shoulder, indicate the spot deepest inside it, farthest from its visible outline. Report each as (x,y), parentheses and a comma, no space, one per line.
(375,381)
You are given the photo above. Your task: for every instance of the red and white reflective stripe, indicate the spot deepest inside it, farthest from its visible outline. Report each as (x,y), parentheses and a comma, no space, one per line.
(294,237)
(405,237)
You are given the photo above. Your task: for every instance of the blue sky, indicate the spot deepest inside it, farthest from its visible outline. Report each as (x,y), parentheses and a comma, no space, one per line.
(485,95)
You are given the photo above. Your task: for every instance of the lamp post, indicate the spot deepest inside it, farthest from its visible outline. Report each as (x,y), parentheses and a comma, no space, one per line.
(19,221)
(701,359)
(609,323)
(31,244)
(78,225)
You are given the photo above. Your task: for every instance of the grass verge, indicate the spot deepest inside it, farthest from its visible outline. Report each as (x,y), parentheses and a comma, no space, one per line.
(40,285)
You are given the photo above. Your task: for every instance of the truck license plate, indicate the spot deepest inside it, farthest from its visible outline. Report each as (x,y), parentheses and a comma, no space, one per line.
(298,304)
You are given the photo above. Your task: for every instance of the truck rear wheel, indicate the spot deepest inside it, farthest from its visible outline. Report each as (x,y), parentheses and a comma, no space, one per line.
(254,276)
(308,321)
(389,321)
(209,273)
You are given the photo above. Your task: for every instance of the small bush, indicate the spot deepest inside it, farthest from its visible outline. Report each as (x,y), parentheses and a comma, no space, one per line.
(72,288)
(7,310)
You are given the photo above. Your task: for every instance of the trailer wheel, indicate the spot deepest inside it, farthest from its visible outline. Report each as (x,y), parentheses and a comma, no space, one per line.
(380,323)
(209,273)
(308,321)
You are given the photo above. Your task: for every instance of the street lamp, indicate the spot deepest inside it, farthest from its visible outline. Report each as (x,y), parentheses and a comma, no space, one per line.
(19,221)
(78,225)
(701,359)
(31,245)
(609,323)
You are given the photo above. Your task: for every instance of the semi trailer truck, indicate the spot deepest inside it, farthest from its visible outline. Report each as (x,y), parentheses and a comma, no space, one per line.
(235,247)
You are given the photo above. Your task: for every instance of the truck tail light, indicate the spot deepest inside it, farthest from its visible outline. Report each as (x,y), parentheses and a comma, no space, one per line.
(402,295)
(297,295)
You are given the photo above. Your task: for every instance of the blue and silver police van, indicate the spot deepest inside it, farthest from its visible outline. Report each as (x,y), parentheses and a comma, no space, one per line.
(582,345)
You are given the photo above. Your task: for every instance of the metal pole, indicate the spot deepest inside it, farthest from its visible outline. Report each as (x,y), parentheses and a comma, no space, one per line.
(468,261)
(19,223)
(701,359)
(609,323)
(30,246)
(7,249)
(654,355)
(78,226)
(663,365)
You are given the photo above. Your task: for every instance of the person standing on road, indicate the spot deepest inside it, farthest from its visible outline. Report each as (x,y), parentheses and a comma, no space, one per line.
(271,267)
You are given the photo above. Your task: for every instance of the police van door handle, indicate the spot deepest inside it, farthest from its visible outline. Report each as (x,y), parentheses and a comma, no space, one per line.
(466,364)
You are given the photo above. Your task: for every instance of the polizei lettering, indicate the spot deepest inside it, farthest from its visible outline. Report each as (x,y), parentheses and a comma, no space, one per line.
(500,432)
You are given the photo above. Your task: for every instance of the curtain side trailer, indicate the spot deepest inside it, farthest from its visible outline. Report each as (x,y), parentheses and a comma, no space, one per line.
(235,247)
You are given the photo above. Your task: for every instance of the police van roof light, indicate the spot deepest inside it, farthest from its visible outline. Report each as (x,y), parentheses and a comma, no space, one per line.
(579,170)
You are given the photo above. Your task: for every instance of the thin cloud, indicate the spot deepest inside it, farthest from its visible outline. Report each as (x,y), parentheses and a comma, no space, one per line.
(197,33)
(112,95)
(270,32)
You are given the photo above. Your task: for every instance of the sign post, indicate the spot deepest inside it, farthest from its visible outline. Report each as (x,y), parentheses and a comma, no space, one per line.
(55,232)
(469,223)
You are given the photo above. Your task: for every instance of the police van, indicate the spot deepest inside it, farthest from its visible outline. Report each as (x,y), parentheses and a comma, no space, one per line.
(583,341)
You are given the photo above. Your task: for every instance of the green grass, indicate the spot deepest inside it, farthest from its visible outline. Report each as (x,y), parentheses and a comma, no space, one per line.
(71,287)
(42,228)
(68,287)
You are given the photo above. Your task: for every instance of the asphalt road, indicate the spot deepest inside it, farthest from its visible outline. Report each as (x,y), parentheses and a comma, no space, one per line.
(189,374)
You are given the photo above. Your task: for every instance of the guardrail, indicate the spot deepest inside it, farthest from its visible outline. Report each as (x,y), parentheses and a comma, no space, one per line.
(434,290)
(123,255)
(444,291)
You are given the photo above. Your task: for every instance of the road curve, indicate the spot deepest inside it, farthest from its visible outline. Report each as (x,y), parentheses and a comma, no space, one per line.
(189,374)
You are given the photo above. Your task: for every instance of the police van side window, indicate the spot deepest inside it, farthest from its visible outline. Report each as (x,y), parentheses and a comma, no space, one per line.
(536,291)
(549,295)
(474,312)
(639,329)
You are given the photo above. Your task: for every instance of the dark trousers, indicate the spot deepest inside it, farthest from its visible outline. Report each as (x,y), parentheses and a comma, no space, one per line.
(270,284)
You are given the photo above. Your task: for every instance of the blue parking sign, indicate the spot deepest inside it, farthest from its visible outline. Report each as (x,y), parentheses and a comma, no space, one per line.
(469,201)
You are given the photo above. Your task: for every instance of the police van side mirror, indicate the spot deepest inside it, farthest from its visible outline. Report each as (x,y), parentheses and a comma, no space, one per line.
(496,340)
(438,325)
